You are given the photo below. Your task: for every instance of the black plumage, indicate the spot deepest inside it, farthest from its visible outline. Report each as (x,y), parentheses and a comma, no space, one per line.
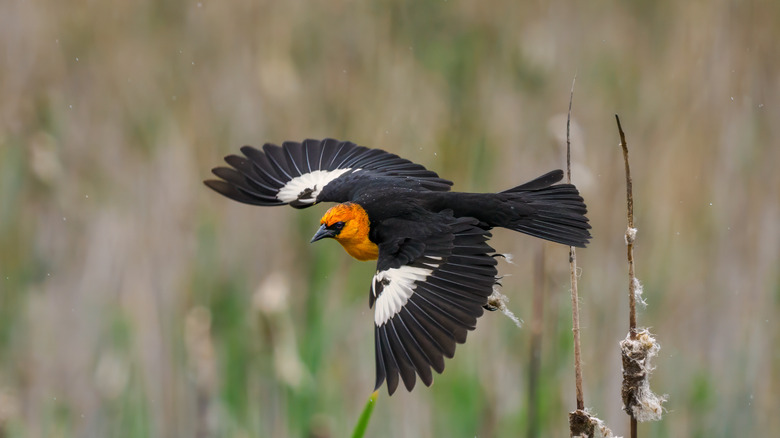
(435,268)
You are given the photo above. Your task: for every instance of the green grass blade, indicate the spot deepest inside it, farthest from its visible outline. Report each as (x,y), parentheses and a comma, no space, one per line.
(362,424)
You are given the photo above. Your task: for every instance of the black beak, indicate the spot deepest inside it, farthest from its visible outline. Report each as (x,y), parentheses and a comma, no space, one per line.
(322,233)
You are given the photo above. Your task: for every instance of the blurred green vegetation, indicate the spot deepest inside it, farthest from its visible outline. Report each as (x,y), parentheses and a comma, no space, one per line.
(135,302)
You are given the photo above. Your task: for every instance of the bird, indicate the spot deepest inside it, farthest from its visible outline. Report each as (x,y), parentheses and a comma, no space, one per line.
(434,266)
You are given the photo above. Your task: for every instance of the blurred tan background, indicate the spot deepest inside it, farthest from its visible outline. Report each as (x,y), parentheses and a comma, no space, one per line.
(135,302)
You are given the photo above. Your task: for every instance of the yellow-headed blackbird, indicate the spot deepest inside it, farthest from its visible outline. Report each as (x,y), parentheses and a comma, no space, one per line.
(435,269)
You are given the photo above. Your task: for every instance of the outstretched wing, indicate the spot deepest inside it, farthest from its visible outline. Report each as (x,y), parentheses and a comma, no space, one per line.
(427,295)
(298,173)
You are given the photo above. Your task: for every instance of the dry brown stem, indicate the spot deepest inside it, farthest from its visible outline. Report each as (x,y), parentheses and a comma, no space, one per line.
(639,347)
(630,234)
(575,308)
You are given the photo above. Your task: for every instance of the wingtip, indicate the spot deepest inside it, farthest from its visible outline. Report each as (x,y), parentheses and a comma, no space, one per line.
(378,386)
(248,150)
(390,388)
(214,184)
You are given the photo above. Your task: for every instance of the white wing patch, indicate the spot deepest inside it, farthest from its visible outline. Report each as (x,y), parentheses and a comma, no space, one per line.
(398,285)
(313,182)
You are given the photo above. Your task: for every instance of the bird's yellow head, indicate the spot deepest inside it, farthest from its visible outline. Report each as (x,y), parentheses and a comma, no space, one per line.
(348,223)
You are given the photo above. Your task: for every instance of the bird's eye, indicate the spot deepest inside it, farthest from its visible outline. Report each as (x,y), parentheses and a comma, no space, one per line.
(338,225)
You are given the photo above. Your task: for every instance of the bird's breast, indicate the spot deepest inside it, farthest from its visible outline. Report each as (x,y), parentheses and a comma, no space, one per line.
(361,249)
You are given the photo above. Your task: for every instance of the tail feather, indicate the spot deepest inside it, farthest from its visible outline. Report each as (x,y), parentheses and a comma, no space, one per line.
(541,182)
(540,208)
(557,213)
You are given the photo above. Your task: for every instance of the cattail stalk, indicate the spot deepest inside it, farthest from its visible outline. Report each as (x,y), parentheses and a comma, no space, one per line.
(581,422)
(575,310)
(639,347)
(579,419)
(630,235)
